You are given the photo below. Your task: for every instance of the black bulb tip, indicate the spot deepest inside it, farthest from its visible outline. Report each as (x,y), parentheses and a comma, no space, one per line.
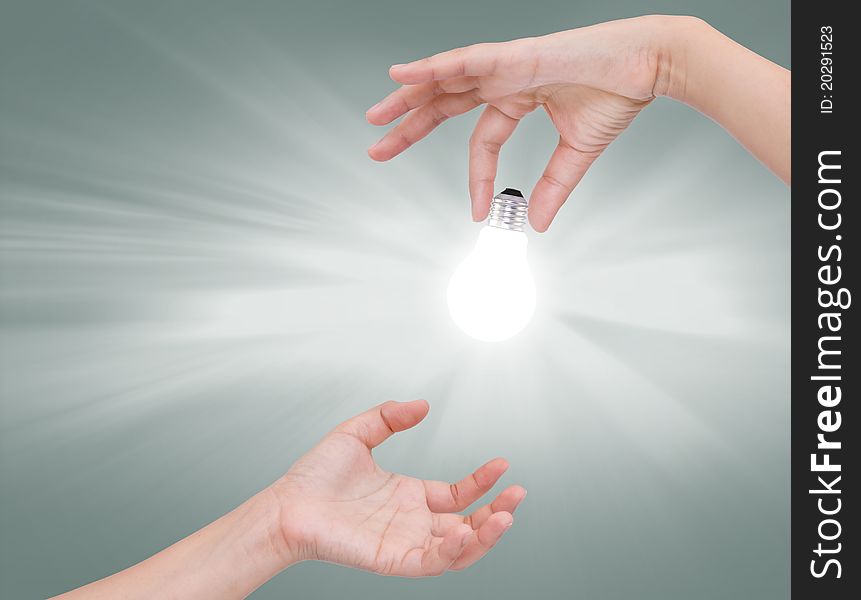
(511,192)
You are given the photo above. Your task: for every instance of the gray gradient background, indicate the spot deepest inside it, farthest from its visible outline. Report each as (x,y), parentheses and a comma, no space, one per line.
(202,272)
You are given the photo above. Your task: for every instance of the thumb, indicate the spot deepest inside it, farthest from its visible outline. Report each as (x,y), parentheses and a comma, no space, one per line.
(376,425)
(564,171)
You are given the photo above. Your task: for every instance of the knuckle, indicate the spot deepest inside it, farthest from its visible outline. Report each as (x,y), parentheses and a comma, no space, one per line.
(455,492)
(405,105)
(491,147)
(477,143)
(403,139)
(437,116)
(552,181)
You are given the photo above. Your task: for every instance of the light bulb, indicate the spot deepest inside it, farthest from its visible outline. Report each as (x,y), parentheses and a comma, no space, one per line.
(491,295)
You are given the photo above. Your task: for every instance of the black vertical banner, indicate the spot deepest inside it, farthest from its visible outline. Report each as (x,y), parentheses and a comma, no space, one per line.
(826,366)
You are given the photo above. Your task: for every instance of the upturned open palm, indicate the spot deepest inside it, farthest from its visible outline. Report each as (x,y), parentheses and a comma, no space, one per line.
(346,509)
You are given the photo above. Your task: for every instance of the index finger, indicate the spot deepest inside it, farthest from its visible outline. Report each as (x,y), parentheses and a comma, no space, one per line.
(478,60)
(493,129)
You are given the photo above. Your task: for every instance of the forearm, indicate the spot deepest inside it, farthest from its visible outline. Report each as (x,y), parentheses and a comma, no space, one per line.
(743,92)
(228,558)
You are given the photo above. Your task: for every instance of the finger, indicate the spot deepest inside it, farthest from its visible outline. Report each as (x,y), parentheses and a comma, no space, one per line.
(564,171)
(421,122)
(441,523)
(453,497)
(484,539)
(507,501)
(374,426)
(479,60)
(439,557)
(493,129)
(408,97)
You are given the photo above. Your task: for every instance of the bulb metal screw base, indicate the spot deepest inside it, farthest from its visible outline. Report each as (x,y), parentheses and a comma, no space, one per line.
(508,210)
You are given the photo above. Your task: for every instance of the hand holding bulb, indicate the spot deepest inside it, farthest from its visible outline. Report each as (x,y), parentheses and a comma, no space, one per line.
(592,82)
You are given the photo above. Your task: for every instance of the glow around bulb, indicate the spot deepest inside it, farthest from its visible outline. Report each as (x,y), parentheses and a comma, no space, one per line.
(491,295)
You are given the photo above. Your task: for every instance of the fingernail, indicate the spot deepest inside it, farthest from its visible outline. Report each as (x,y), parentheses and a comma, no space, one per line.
(510,523)
(375,106)
(397,66)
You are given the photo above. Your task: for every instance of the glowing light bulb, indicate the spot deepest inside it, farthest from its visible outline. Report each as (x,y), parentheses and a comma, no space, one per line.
(491,295)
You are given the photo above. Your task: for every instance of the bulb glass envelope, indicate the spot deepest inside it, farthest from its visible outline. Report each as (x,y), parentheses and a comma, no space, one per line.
(491,295)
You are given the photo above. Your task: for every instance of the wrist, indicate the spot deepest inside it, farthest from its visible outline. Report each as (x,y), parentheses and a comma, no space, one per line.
(292,535)
(677,43)
(283,537)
